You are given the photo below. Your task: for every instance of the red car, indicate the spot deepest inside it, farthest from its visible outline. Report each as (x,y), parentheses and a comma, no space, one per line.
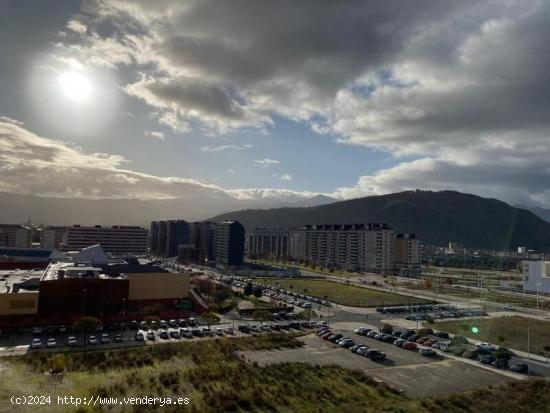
(428,343)
(421,340)
(409,346)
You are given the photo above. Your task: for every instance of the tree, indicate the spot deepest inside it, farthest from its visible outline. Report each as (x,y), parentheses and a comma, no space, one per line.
(248,288)
(307,314)
(257,291)
(86,324)
(210,318)
(386,328)
(261,316)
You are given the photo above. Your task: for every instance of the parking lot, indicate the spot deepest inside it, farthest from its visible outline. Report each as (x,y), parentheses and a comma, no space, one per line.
(403,370)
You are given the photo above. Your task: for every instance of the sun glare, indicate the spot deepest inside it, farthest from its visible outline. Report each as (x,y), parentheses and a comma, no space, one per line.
(75,86)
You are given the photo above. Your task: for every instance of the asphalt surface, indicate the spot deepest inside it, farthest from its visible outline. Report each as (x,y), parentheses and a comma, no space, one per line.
(405,371)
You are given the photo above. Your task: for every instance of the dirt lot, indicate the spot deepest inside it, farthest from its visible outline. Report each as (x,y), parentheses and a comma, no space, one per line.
(407,371)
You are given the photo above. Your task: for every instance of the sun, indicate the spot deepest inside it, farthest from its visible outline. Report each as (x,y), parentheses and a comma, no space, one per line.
(75,86)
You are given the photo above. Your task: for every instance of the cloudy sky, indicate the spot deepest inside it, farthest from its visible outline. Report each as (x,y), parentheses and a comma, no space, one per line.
(285,99)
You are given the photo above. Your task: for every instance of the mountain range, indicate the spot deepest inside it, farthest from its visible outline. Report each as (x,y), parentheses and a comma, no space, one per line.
(436,218)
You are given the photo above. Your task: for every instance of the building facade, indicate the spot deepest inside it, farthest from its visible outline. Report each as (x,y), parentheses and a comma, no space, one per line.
(229,243)
(407,255)
(167,236)
(53,237)
(15,236)
(270,243)
(536,276)
(114,240)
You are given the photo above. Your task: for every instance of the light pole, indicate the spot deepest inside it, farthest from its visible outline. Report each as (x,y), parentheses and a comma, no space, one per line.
(123,317)
(481,301)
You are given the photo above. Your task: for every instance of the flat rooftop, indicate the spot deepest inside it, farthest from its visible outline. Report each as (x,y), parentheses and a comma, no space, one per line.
(9,279)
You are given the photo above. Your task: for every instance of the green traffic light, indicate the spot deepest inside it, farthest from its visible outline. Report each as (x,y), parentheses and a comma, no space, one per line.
(475,330)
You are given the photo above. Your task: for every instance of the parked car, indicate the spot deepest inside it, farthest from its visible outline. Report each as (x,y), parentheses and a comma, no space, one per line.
(521,368)
(399,342)
(356,347)
(93,340)
(335,337)
(36,331)
(508,307)
(51,343)
(409,345)
(501,363)
(164,335)
(486,346)
(118,338)
(36,343)
(372,334)
(486,359)
(375,355)
(105,338)
(346,343)
(427,352)
(71,341)
(175,334)
(140,337)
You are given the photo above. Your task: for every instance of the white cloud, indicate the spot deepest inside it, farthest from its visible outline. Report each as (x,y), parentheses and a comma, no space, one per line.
(77,26)
(455,93)
(264,163)
(31,164)
(156,135)
(286,177)
(222,148)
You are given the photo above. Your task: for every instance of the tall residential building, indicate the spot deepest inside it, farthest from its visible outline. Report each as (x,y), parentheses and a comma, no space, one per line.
(269,243)
(368,247)
(201,234)
(229,243)
(407,254)
(18,236)
(52,237)
(167,236)
(114,240)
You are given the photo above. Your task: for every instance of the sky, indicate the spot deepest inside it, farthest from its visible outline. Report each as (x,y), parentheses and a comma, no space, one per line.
(275,100)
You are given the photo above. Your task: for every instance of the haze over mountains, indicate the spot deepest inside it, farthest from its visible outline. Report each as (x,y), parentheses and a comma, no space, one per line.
(436,217)
(16,208)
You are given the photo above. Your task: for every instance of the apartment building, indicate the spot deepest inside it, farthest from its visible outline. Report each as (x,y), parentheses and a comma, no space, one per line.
(167,236)
(229,243)
(117,240)
(15,236)
(407,254)
(53,237)
(273,243)
(365,247)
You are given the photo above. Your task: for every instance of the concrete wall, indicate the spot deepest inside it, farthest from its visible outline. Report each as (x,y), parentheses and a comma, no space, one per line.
(158,286)
(18,303)
(536,272)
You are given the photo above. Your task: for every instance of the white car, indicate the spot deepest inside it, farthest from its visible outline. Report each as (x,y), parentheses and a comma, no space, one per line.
(92,340)
(36,343)
(71,341)
(486,346)
(508,307)
(51,342)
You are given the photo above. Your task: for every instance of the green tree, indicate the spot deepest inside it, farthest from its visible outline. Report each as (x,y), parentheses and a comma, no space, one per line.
(210,318)
(248,288)
(261,316)
(257,291)
(386,328)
